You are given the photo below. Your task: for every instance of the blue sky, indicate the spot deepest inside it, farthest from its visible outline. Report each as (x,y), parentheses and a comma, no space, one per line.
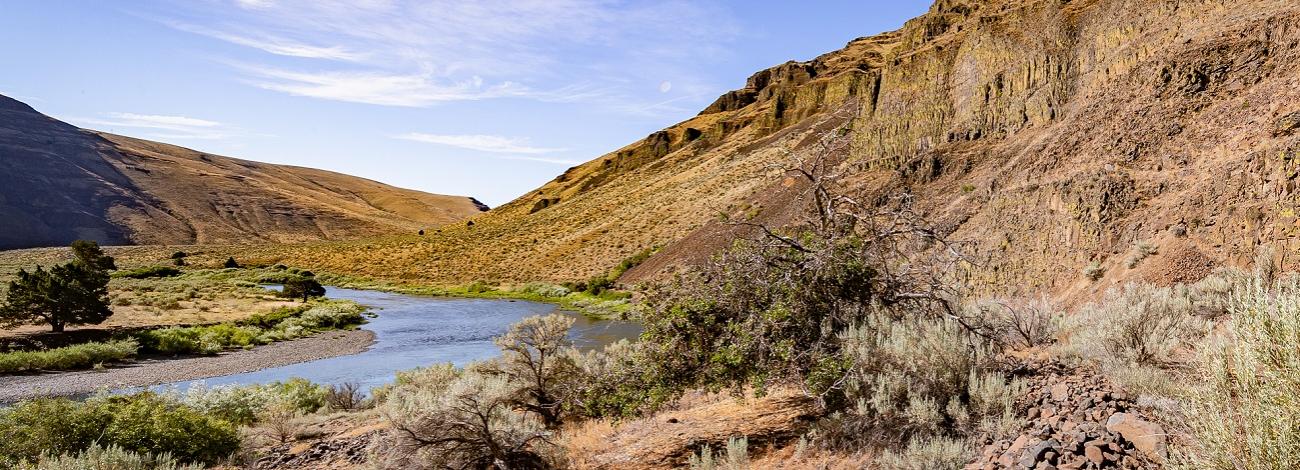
(486,98)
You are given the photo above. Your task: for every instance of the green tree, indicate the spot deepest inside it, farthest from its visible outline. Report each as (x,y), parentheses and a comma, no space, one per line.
(89,253)
(75,293)
(304,287)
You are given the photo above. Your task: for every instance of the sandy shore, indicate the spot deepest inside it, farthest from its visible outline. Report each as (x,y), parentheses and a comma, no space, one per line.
(154,370)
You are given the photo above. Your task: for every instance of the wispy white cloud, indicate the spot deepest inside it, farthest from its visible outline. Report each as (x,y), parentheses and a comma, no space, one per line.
(607,53)
(254,4)
(484,143)
(173,127)
(410,90)
(275,45)
(553,161)
(163,121)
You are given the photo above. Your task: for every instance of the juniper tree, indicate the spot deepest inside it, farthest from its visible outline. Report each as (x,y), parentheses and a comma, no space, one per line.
(75,293)
(304,287)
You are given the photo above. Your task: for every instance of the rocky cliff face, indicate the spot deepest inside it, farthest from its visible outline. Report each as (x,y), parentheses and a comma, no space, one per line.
(1051,133)
(59,183)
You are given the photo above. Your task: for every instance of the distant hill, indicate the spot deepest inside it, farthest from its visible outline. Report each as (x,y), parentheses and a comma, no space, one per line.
(59,183)
(1049,134)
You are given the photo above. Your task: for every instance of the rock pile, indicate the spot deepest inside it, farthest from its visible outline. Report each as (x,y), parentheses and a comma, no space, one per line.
(1076,421)
(339,453)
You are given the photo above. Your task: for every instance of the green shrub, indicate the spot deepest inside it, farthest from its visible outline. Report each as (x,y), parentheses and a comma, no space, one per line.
(545,290)
(610,382)
(148,272)
(283,324)
(301,394)
(176,340)
(272,318)
(142,423)
(598,285)
(111,457)
(81,356)
(302,287)
(479,287)
(1093,271)
(631,262)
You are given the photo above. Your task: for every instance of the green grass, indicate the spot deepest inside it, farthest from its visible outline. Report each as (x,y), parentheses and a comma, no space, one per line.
(81,356)
(280,325)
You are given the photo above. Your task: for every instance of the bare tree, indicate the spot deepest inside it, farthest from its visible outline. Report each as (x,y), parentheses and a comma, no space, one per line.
(535,359)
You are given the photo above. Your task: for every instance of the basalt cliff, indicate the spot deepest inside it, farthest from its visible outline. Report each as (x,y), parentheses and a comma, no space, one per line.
(1050,134)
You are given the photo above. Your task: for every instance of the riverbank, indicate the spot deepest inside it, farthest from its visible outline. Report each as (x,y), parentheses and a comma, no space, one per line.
(609,305)
(155,370)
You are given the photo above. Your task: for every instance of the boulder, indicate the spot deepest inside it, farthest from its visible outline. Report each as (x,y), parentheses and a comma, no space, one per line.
(1287,124)
(1146,436)
(1036,453)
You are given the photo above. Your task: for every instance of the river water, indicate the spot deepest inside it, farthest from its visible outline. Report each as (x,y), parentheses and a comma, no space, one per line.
(415,331)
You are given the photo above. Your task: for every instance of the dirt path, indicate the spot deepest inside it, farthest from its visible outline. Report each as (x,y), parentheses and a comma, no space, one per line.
(154,371)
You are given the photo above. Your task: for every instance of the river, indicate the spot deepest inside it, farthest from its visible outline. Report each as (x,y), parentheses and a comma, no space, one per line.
(415,331)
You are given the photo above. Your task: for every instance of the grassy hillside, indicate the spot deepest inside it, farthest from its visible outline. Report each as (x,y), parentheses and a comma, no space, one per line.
(59,183)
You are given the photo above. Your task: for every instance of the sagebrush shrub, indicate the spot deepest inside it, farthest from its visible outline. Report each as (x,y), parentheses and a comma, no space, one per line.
(545,290)
(927,454)
(243,404)
(1246,416)
(111,457)
(735,456)
(444,418)
(920,376)
(611,382)
(1138,325)
(1141,251)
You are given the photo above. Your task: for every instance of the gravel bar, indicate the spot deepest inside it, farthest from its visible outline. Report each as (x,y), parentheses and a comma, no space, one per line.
(154,370)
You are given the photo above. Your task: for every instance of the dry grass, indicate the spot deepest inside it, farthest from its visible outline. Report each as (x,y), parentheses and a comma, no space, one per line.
(201,295)
(790,458)
(668,438)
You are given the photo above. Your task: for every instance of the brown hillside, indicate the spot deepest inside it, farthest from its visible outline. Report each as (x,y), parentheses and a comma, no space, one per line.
(1051,133)
(59,183)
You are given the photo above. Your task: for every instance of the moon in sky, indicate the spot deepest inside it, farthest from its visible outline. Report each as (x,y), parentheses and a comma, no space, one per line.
(665,86)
